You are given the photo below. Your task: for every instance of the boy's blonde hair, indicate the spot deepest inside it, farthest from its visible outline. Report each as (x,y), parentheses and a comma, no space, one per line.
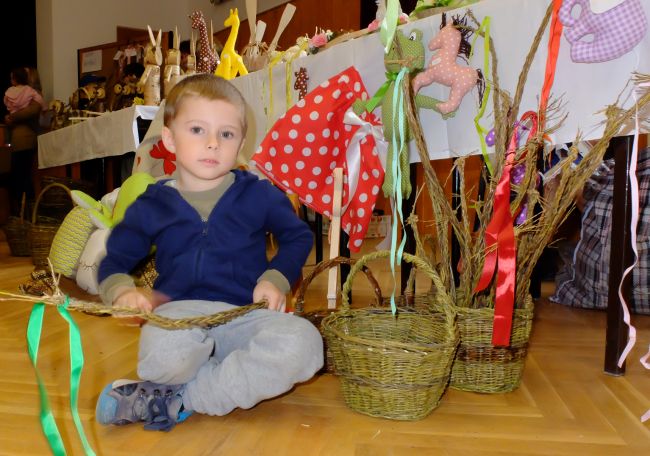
(208,86)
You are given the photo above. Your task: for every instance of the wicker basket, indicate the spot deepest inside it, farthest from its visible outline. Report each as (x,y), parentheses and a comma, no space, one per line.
(394,367)
(43,230)
(17,232)
(482,368)
(316,316)
(57,202)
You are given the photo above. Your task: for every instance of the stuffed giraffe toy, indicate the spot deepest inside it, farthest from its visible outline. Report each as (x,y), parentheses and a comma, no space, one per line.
(231,63)
(207,57)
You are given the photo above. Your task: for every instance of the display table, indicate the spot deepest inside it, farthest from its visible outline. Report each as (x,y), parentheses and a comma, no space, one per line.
(585,89)
(112,133)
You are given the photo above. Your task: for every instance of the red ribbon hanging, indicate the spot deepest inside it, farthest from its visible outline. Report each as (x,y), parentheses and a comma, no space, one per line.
(554,39)
(501,247)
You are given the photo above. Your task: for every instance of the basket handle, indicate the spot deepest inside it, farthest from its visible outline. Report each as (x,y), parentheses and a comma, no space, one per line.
(421,264)
(323,266)
(40,195)
(23,202)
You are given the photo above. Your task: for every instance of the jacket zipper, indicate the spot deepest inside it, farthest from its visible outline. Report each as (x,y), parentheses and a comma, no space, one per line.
(199,256)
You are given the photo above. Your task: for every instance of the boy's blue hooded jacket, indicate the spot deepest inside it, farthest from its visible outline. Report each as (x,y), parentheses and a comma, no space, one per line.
(217,260)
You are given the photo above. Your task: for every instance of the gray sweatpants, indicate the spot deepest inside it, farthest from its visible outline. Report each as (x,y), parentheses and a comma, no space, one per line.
(257,356)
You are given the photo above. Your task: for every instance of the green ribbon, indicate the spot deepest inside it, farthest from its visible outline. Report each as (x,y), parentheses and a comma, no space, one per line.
(482,132)
(398,113)
(34,330)
(379,95)
(389,24)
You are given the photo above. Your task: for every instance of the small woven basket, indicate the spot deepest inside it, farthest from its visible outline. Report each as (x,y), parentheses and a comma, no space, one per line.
(57,202)
(393,366)
(482,368)
(17,232)
(316,316)
(43,230)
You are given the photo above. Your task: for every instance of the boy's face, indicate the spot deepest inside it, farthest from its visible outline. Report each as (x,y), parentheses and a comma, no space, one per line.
(206,136)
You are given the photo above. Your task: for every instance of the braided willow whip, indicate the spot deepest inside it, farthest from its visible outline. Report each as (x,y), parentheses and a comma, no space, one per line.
(206,321)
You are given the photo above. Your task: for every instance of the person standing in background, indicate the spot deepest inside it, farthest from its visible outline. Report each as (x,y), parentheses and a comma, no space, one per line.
(23,125)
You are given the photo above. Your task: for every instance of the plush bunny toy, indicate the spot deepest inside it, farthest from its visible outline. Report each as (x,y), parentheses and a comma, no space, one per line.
(105,214)
(150,80)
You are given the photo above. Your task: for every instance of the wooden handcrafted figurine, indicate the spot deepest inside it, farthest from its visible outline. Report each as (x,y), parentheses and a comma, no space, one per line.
(150,79)
(231,63)
(207,58)
(190,65)
(172,72)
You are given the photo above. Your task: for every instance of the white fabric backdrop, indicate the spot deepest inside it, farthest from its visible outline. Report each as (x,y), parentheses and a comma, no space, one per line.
(585,88)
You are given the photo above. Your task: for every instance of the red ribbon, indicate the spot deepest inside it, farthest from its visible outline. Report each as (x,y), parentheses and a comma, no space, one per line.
(159,151)
(554,39)
(501,247)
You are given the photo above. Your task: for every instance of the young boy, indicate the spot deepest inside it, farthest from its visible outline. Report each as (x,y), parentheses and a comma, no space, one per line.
(209,227)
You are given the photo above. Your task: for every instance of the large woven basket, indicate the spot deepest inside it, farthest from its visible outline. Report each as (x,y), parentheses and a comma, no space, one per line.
(17,231)
(316,316)
(482,368)
(43,230)
(393,366)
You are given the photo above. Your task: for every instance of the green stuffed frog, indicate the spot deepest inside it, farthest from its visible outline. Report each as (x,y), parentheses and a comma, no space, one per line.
(406,51)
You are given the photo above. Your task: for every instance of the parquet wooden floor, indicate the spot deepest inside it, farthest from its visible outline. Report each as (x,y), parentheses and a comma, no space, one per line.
(565,405)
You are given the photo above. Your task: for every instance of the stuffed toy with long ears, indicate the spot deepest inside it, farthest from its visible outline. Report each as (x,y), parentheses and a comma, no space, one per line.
(105,214)
(150,80)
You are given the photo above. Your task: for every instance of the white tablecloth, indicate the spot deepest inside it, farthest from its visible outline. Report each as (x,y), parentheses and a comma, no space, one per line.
(585,89)
(112,133)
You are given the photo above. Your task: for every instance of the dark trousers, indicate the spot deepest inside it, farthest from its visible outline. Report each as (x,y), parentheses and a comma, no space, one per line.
(21,178)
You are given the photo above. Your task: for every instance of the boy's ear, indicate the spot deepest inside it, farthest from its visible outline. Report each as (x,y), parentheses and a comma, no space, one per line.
(168,139)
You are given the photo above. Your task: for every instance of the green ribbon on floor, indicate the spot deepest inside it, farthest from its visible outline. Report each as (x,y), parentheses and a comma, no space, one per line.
(34,329)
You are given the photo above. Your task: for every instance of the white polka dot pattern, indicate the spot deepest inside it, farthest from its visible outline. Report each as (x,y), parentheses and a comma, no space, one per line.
(313,128)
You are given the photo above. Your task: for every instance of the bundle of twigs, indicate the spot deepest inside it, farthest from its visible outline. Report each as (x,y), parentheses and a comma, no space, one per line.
(534,234)
(58,298)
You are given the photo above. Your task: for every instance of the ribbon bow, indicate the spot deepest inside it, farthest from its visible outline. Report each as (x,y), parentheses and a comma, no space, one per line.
(381,91)
(159,151)
(501,246)
(354,151)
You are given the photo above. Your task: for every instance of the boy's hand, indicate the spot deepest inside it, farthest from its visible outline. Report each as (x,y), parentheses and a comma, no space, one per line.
(266,290)
(133,298)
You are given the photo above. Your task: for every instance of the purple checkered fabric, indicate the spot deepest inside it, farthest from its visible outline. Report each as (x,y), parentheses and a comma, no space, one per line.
(585,281)
(615,32)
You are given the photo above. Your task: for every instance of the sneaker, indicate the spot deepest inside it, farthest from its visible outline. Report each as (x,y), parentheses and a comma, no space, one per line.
(159,406)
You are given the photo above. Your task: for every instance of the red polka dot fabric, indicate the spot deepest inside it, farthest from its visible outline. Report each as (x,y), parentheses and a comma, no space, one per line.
(311,139)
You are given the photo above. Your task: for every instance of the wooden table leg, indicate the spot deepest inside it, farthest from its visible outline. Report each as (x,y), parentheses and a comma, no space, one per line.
(617,333)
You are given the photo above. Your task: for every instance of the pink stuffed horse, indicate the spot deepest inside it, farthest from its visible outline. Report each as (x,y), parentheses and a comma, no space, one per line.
(443,68)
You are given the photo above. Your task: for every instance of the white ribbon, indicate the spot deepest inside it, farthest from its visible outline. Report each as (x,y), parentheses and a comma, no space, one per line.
(353,152)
